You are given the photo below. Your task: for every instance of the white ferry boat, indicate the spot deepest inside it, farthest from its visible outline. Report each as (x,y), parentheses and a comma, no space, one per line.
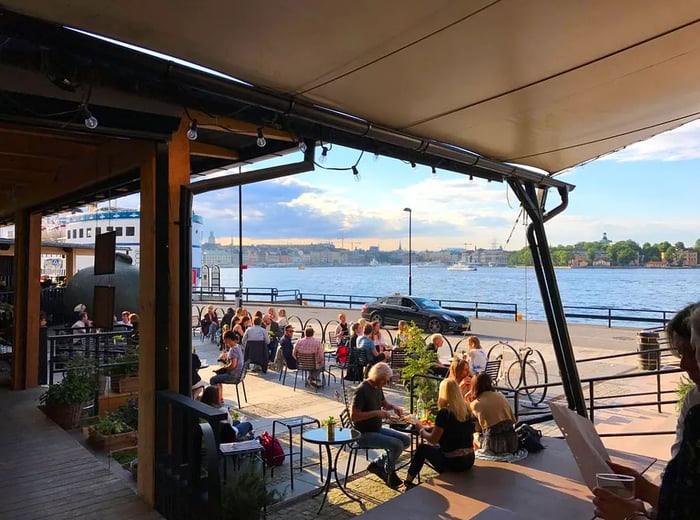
(82,228)
(461,266)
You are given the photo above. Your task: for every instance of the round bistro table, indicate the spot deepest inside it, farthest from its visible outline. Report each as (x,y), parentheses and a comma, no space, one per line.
(341,437)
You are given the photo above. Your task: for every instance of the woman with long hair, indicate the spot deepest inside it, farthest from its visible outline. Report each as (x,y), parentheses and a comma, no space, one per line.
(495,418)
(448,445)
(241,430)
(459,372)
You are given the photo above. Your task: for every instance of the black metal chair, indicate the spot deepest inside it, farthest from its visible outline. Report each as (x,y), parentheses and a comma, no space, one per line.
(493,369)
(306,363)
(241,382)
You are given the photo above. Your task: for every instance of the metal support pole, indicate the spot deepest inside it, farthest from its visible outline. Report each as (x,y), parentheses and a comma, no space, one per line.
(551,299)
(239,299)
(410,248)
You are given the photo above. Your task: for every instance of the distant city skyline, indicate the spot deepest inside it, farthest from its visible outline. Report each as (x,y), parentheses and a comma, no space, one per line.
(645,192)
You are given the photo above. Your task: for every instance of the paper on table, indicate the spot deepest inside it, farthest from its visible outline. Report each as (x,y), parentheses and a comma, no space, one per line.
(585,444)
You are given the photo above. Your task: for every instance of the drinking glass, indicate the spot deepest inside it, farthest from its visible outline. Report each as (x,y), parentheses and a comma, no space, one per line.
(621,485)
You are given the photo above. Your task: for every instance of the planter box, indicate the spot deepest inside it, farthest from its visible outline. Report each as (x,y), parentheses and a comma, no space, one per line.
(67,416)
(114,442)
(110,402)
(125,384)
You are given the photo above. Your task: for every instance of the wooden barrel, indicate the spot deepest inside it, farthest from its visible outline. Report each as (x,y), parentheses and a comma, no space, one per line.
(647,340)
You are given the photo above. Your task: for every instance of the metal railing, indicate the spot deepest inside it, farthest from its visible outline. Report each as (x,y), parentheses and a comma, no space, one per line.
(615,314)
(249,294)
(187,457)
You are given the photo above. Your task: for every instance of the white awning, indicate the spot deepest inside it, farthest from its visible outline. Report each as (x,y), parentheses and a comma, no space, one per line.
(545,83)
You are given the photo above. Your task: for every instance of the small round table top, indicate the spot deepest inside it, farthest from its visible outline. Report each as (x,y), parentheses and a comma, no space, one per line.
(341,436)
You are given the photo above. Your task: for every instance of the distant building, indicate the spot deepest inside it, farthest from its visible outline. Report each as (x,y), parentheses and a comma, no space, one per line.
(688,257)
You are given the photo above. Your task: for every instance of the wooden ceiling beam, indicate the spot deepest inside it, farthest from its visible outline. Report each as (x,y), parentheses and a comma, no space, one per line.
(25,145)
(211,150)
(228,124)
(97,166)
(61,135)
(36,164)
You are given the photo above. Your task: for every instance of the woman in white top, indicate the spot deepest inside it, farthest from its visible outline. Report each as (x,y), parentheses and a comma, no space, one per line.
(477,356)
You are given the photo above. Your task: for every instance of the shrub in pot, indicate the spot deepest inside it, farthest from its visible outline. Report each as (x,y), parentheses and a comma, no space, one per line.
(112,431)
(245,495)
(124,372)
(63,402)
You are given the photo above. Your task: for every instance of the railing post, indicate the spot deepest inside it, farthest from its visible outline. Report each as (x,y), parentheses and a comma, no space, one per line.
(591,398)
(476,310)
(516,312)
(658,386)
(609,318)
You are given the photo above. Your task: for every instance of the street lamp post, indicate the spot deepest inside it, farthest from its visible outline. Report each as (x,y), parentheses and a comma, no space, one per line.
(410,213)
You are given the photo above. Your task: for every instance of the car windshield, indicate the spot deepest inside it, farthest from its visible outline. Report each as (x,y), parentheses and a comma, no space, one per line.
(425,303)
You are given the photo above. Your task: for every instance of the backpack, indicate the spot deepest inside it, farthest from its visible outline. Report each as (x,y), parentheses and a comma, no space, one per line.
(529,438)
(341,355)
(274,455)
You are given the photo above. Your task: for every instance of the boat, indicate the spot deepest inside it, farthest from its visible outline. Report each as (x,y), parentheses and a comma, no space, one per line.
(373,262)
(461,266)
(301,267)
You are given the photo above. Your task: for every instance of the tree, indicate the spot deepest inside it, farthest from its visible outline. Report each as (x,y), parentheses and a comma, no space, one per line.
(591,252)
(680,246)
(697,245)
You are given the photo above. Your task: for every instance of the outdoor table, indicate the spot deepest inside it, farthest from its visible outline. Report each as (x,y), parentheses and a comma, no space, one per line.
(532,488)
(341,437)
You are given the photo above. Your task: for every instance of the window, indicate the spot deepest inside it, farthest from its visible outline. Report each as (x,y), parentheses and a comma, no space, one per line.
(80,234)
(88,232)
(119,231)
(130,231)
(98,230)
(75,233)
(110,228)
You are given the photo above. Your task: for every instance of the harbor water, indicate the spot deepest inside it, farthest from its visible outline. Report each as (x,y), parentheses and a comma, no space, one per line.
(655,289)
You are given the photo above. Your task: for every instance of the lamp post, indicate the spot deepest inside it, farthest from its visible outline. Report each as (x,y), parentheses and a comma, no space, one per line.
(410,213)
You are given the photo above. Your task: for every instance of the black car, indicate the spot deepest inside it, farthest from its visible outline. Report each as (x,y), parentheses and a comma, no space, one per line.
(423,311)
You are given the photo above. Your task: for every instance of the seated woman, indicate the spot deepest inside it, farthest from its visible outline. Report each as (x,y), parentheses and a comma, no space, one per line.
(495,418)
(401,339)
(459,372)
(448,445)
(240,431)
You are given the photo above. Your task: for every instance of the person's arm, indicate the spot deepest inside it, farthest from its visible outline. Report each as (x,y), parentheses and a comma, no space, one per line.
(357,415)
(295,350)
(320,355)
(388,406)
(643,488)
(431,436)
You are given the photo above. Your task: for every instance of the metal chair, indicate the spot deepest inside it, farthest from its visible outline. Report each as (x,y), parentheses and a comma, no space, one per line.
(493,369)
(353,448)
(306,363)
(241,381)
(397,363)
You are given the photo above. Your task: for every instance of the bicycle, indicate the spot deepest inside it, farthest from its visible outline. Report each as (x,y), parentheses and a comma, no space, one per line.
(529,374)
(504,346)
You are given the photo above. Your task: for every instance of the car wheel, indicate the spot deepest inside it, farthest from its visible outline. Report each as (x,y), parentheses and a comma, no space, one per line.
(376,317)
(434,325)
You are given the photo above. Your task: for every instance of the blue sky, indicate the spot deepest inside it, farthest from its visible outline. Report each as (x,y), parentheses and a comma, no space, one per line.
(645,192)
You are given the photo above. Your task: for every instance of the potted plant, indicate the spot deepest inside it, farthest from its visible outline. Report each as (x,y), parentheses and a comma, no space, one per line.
(330,425)
(245,495)
(419,361)
(115,430)
(63,401)
(123,372)
(685,385)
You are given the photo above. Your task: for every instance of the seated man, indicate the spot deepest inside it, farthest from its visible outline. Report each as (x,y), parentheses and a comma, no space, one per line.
(436,341)
(310,345)
(369,352)
(233,369)
(369,407)
(286,348)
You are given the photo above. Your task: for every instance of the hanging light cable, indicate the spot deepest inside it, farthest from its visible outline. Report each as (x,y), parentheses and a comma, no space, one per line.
(356,174)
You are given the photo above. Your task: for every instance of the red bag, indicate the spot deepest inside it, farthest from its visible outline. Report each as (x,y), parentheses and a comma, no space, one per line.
(274,455)
(341,355)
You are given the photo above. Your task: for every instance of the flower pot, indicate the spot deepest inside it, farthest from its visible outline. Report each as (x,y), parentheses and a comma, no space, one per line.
(67,416)
(331,432)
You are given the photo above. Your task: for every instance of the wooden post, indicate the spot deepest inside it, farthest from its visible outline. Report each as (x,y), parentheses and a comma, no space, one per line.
(178,176)
(70,264)
(27,294)
(147,332)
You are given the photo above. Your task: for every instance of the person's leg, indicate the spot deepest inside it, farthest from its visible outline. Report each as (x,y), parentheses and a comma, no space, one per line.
(425,452)
(243,428)
(387,439)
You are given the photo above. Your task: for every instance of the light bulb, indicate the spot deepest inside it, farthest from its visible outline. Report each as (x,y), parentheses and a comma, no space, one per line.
(261,141)
(192,130)
(356,174)
(433,171)
(89,120)
(324,155)
(471,178)
(413,165)
(376,156)
(302,147)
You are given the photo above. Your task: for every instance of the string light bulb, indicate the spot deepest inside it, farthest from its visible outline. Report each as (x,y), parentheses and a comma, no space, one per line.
(471,178)
(261,141)
(376,156)
(192,130)
(413,165)
(302,147)
(89,120)
(355,174)
(433,171)
(324,154)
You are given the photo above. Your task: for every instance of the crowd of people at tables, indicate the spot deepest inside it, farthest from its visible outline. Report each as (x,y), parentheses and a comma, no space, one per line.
(467,402)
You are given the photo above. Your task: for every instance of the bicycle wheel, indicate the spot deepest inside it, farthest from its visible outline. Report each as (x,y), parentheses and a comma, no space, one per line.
(535,373)
(514,375)
(504,353)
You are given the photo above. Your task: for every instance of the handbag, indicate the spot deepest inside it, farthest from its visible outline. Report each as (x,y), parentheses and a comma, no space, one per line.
(529,438)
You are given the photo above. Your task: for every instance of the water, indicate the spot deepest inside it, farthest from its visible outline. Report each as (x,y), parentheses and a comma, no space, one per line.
(658,289)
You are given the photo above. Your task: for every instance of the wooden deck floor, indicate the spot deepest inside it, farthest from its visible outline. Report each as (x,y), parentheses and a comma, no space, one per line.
(46,473)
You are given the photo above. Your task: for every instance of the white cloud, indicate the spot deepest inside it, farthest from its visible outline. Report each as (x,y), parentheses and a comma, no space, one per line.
(680,144)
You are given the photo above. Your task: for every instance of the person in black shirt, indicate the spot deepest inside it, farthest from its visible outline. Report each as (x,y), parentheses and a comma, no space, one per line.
(287,347)
(449,444)
(369,407)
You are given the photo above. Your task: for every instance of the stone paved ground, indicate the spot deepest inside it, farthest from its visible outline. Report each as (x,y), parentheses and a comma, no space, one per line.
(269,399)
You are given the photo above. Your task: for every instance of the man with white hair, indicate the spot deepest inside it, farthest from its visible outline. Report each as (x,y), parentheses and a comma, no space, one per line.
(369,407)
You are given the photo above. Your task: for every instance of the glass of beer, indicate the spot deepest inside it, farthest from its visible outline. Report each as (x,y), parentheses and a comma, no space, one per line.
(621,485)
